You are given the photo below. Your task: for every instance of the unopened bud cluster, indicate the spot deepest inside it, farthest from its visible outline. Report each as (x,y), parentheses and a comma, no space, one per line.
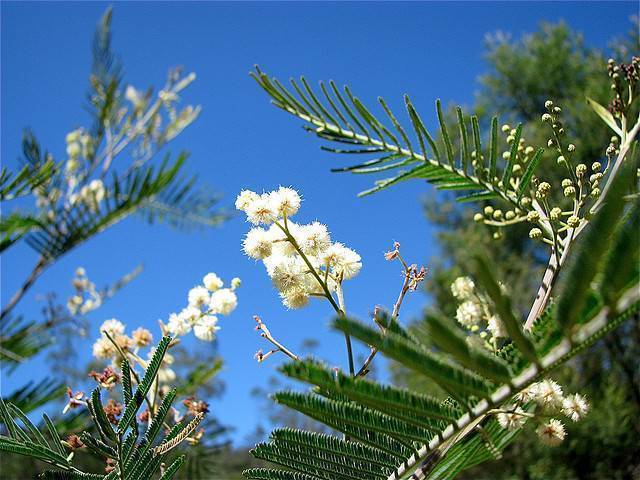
(86,298)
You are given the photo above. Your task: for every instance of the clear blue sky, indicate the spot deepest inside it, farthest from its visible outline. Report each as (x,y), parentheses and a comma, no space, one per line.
(428,50)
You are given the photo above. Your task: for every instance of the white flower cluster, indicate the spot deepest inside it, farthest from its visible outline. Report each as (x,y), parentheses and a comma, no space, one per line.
(86,297)
(550,400)
(205,303)
(300,259)
(475,315)
(104,348)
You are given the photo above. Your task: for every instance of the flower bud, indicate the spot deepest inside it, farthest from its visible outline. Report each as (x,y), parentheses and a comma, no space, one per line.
(546,117)
(548,104)
(510,215)
(569,191)
(581,169)
(497,235)
(573,221)
(555,213)
(571,147)
(551,142)
(533,216)
(525,202)
(488,210)
(506,155)
(510,139)
(595,192)
(560,160)
(543,190)
(505,128)
(529,150)
(596,166)
(497,214)
(535,233)
(566,183)
(478,218)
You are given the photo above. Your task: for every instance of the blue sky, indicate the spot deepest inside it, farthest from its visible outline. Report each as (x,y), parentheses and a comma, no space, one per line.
(429,50)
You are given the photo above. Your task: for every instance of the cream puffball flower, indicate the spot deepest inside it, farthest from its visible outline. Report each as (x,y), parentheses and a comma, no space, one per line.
(103,348)
(246,198)
(575,407)
(345,261)
(261,211)
(206,328)
(496,327)
(113,327)
(212,282)
(314,239)
(468,314)
(551,433)
(462,288)
(198,297)
(286,201)
(295,297)
(178,325)
(142,337)
(548,394)
(257,243)
(512,420)
(223,301)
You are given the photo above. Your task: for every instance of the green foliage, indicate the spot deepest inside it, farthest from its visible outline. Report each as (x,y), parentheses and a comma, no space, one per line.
(133,458)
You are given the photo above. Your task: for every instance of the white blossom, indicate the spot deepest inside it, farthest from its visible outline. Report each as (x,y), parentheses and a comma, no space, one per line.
(295,297)
(575,407)
(513,419)
(551,433)
(142,337)
(191,314)
(469,314)
(496,327)
(288,273)
(462,288)
(345,261)
(548,394)
(261,211)
(235,283)
(286,201)
(198,296)
(113,327)
(178,325)
(212,282)
(257,243)
(246,198)
(223,301)
(314,239)
(103,348)
(206,328)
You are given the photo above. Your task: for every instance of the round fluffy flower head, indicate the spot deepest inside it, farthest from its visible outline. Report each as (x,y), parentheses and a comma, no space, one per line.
(141,337)
(235,283)
(223,301)
(198,297)
(258,244)
(295,298)
(551,433)
(512,420)
(206,328)
(468,314)
(178,325)
(462,288)
(496,327)
(287,273)
(548,394)
(103,348)
(191,314)
(113,327)
(575,407)
(314,239)
(343,260)
(286,201)
(212,282)
(262,211)
(246,198)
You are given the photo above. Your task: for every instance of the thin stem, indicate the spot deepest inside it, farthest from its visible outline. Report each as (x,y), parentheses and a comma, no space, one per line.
(28,283)
(347,338)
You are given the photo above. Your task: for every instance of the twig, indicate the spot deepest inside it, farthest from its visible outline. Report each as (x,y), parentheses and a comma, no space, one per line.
(33,276)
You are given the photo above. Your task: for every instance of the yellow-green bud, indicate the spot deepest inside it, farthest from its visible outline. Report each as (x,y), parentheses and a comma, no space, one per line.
(510,215)
(483,334)
(535,233)
(474,328)
(529,150)
(488,210)
(569,191)
(555,213)
(497,214)
(543,190)
(571,147)
(566,182)
(557,109)
(505,128)
(596,166)
(611,150)
(595,192)
(548,104)
(533,216)
(510,139)
(497,235)
(478,217)
(525,201)
(614,140)
(516,169)
(551,142)
(581,169)
(546,117)
(506,155)
(595,177)
(573,221)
